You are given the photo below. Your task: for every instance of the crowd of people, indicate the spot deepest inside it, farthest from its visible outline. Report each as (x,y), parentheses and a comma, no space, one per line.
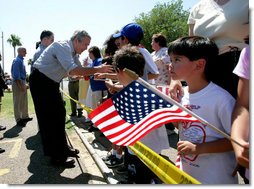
(213,62)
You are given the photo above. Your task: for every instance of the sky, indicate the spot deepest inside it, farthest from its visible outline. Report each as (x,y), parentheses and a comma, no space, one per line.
(28,18)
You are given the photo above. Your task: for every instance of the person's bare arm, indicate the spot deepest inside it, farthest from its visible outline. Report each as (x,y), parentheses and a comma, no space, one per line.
(218,146)
(84,71)
(152,76)
(241,123)
(191,27)
(111,76)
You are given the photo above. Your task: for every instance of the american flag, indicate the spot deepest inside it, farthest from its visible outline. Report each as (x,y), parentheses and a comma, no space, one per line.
(163,88)
(133,112)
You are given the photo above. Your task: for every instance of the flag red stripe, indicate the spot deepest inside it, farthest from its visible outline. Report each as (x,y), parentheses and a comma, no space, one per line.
(112,126)
(138,126)
(167,118)
(106,118)
(157,124)
(108,103)
(144,121)
(119,132)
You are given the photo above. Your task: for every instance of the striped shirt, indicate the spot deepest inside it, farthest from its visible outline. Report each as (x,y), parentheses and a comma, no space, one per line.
(57,60)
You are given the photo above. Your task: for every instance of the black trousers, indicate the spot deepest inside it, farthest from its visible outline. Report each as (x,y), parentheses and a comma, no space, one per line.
(50,112)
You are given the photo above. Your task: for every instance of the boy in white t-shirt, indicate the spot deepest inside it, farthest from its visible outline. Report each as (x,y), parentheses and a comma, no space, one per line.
(202,152)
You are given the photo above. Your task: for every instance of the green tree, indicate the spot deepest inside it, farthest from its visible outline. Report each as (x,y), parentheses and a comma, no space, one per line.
(14,41)
(167,18)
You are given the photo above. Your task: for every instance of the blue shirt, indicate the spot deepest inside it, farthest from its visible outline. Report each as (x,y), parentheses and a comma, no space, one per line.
(97,85)
(18,69)
(57,60)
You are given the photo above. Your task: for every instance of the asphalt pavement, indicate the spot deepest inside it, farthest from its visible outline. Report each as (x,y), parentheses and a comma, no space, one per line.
(23,161)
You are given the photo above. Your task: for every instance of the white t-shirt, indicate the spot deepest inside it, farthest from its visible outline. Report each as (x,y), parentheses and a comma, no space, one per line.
(242,68)
(214,105)
(225,24)
(150,66)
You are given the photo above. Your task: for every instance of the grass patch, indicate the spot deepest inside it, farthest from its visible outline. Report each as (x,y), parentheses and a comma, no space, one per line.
(7,105)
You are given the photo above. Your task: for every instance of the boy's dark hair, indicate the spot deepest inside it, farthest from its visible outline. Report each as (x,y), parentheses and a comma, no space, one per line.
(161,39)
(194,48)
(129,57)
(45,33)
(95,51)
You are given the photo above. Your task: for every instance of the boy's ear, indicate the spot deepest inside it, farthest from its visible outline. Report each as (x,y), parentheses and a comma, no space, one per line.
(200,64)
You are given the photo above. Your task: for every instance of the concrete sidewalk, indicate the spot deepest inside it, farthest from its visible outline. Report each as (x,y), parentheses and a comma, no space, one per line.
(23,161)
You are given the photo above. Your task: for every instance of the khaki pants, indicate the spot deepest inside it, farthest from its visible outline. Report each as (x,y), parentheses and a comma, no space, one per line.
(20,102)
(73,87)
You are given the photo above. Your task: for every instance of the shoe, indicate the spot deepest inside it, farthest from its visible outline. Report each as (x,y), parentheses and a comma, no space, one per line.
(92,128)
(27,119)
(21,123)
(80,112)
(108,157)
(88,123)
(2,128)
(123,170)
(114,162)
(63,162)
(73,114)
(73,152)
(156,181)
(102,135)
(2,150)
(123,182)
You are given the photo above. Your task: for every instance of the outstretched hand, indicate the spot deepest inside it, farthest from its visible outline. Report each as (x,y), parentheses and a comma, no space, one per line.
(106,68)
(99,76)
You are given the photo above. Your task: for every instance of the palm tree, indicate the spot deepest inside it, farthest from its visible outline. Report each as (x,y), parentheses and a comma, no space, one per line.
(14,41)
